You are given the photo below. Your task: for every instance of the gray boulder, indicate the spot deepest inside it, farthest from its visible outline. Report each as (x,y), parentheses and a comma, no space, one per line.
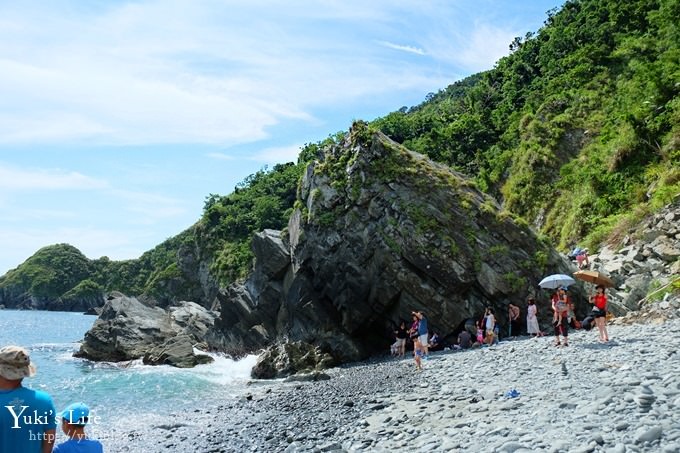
(127,329)
(291,358)
(176,351)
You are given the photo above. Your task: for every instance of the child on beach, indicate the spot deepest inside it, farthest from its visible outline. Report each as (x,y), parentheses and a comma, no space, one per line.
(73,421)
(480,335)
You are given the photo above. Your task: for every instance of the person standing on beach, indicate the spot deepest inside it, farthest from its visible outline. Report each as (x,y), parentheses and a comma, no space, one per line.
(599,300)
(28,418)
(422,332)
(513,318)
(401,338)
(560,317)
(490,324)
(413,334)
(532,320)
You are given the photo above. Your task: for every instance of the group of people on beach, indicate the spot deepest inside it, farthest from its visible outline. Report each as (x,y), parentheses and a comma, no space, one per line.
(28,418)
(419,335)
(486,330)
(563,315)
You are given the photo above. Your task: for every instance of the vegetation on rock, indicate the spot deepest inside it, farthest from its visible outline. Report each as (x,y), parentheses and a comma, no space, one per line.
(576,132)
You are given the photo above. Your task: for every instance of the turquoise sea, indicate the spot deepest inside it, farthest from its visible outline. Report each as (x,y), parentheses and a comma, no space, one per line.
(118,396)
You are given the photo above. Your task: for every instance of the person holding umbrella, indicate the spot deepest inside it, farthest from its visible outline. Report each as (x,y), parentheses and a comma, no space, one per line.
(560,321)
(599,300)
(560,303)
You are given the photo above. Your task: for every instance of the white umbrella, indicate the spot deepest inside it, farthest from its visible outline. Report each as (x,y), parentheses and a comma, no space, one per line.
(555,281)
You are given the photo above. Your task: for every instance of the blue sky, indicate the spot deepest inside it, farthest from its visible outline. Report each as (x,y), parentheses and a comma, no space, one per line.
(118,118)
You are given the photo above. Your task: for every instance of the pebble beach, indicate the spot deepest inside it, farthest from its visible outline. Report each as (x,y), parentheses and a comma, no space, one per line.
(521,395)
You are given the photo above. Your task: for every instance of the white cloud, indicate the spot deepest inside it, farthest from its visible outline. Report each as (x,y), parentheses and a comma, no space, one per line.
(485,46)
(15,178)
(187,72)
(409,49)
(474,49)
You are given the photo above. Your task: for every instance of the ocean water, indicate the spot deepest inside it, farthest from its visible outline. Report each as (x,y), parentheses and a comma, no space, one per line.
(118,396)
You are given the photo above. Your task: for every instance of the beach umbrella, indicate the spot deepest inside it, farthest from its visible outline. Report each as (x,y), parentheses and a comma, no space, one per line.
(555,281)
(595,277)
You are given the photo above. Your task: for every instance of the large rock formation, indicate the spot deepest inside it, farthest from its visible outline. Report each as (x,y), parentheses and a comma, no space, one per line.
(646,265)
(380,231)
(127,329)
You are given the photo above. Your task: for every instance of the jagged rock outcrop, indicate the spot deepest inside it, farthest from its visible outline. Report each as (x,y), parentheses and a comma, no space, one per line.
(20,299)
(291,358)
(127,329)
(176,351)
(645,266)
(86,303)
(380,231)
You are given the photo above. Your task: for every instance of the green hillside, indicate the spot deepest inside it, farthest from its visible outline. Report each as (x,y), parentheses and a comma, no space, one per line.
(577,132)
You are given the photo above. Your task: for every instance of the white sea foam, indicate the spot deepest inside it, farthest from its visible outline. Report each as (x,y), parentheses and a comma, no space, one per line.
(225,370)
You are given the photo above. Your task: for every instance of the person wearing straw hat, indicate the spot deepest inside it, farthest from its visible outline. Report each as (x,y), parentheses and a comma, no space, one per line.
(27,417)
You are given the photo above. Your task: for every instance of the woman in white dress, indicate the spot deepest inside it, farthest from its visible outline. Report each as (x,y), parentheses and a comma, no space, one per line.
(532,321)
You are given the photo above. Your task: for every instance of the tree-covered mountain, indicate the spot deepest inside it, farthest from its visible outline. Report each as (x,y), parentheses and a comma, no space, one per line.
(577,132)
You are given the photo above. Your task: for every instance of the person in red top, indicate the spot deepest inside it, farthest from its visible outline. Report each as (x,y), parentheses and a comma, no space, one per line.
(599,300)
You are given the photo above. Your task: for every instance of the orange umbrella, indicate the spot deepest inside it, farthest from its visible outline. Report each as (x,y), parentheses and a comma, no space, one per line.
(595,277)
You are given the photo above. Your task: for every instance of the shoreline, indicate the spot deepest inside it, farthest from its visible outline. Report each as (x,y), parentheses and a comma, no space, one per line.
(623,396)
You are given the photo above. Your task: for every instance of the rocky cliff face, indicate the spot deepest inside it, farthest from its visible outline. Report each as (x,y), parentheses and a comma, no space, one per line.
(645,264)
(19,298)
(380,231)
